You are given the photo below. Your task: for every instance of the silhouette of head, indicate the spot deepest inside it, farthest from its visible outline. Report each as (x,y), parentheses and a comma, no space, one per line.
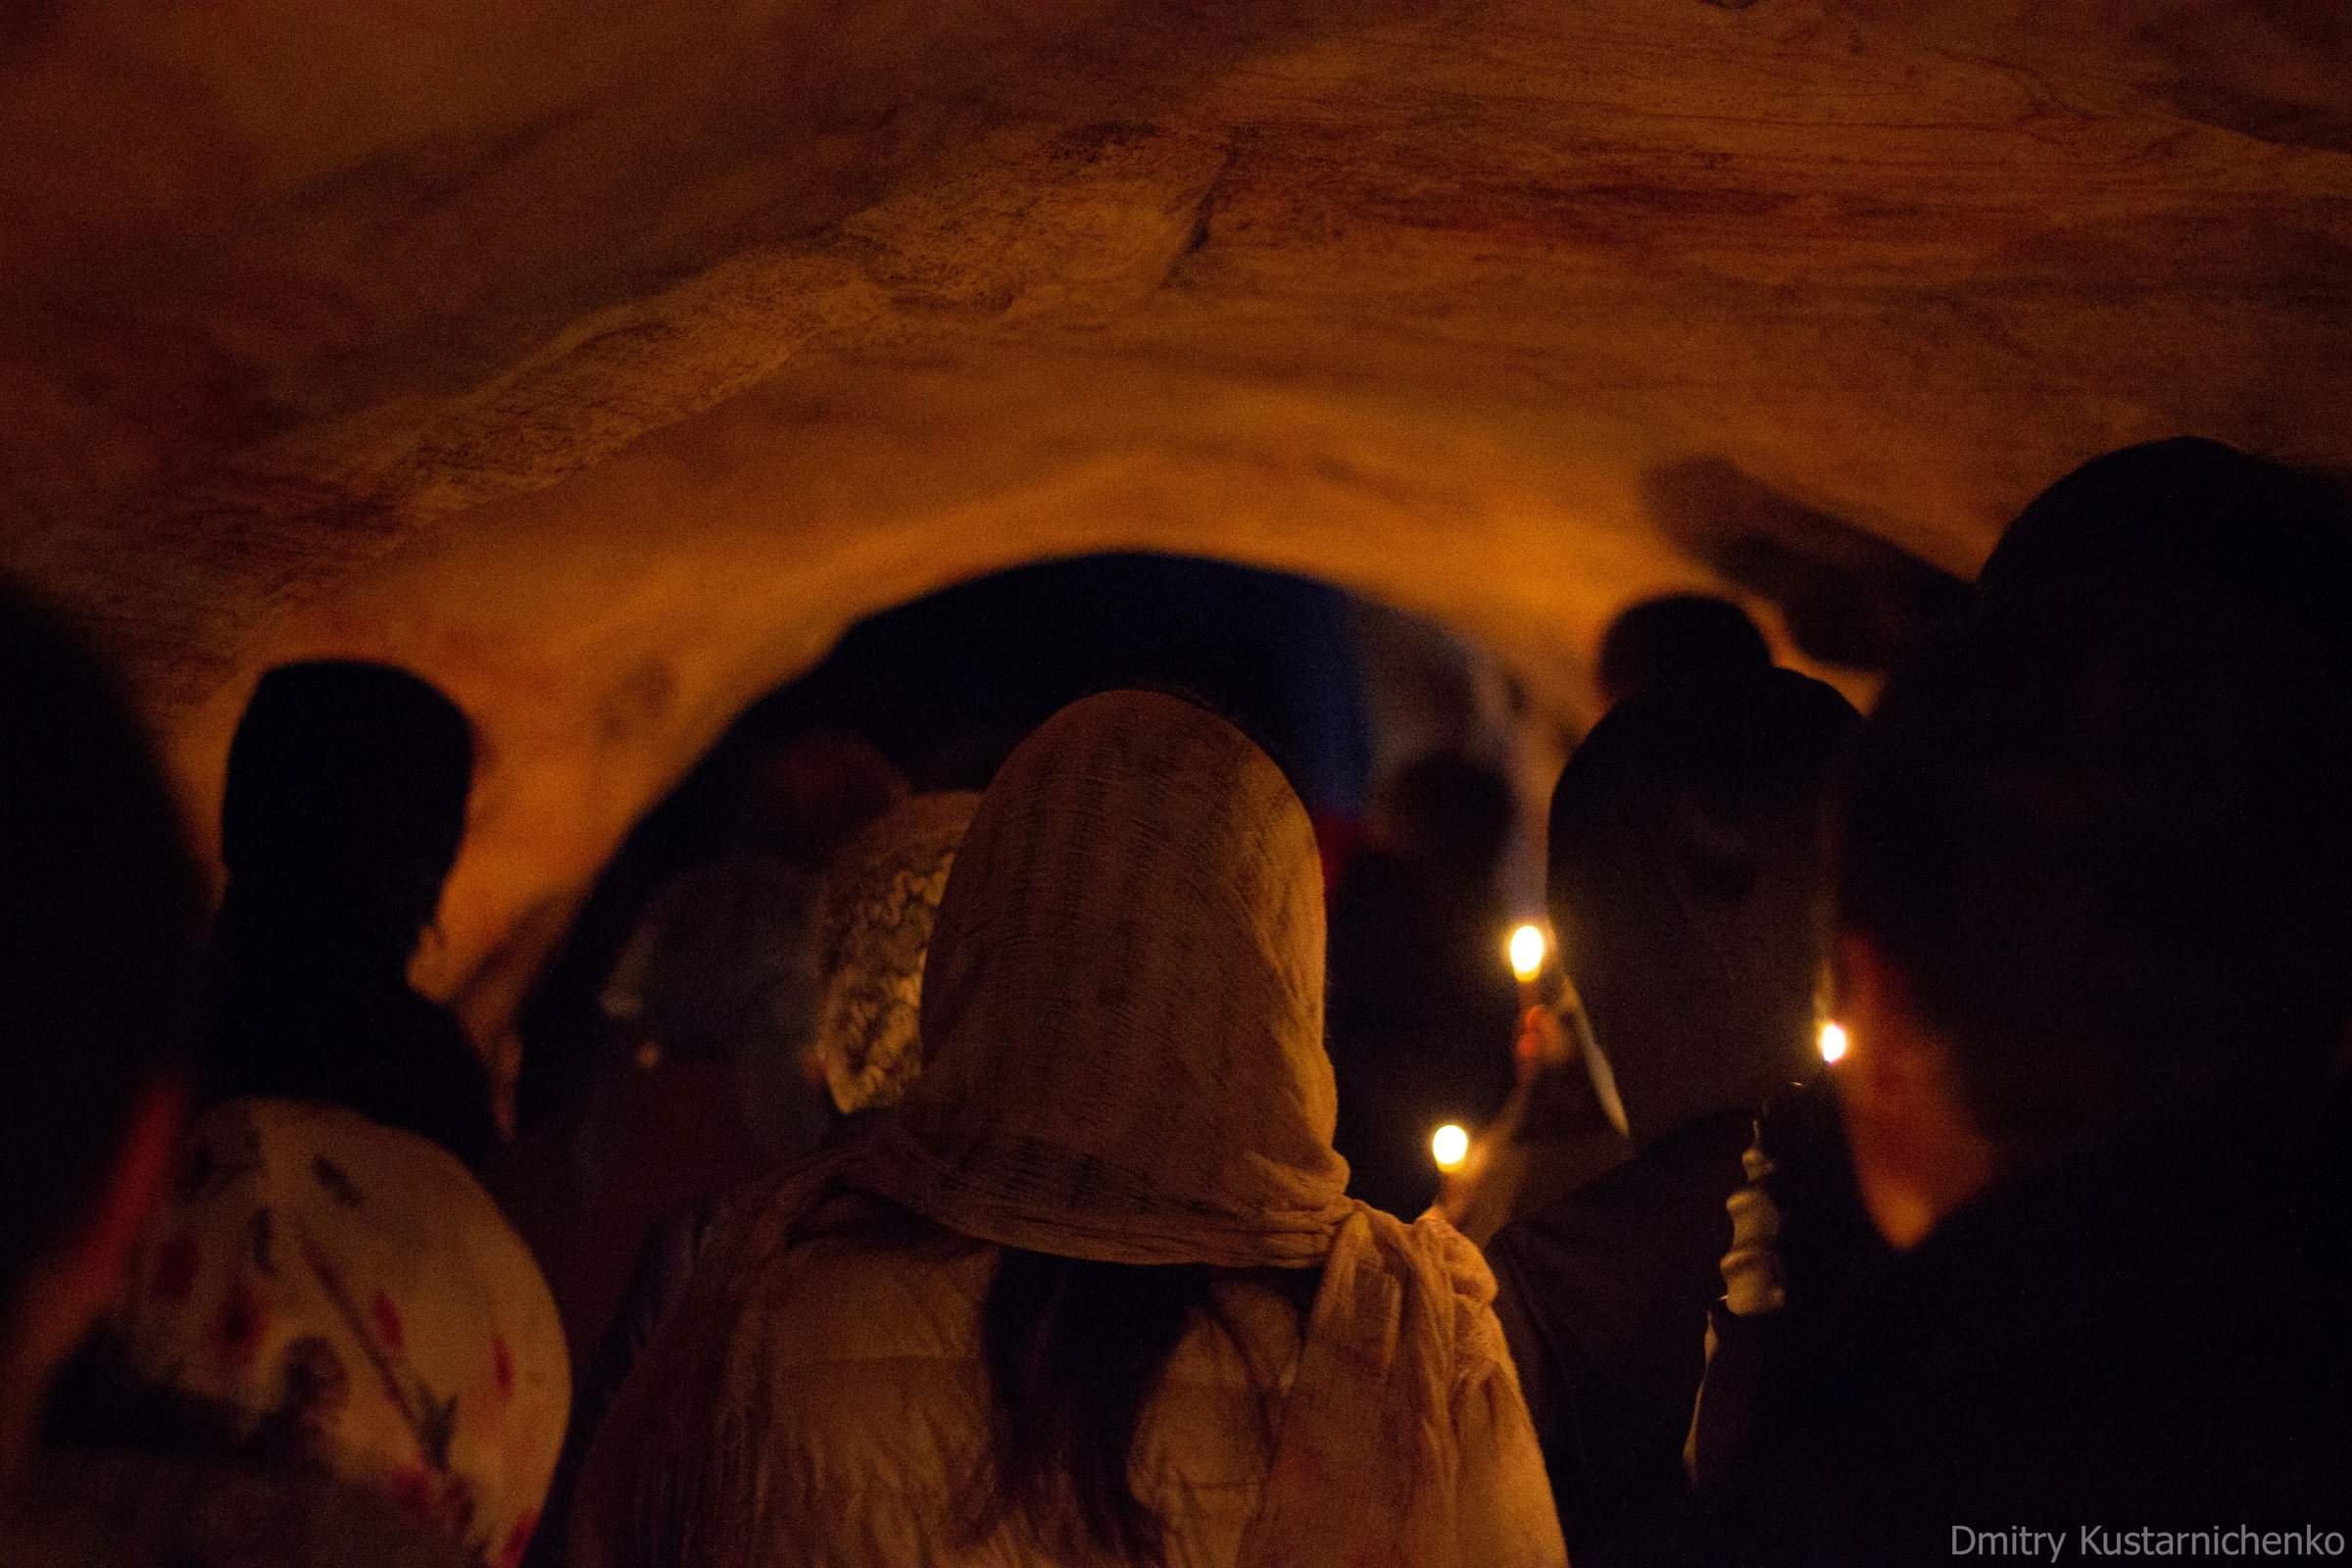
(1688,885)
(346,799)
(2096,840)
(806,795)
(1453,812)
(1673,638)
(2106,826)
(102,906)
(2187,510)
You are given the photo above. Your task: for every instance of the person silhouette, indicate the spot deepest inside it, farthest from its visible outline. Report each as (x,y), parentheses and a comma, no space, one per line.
(104,908)
(344,808)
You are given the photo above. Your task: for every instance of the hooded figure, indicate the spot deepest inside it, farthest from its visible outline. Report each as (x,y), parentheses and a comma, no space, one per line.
(710,1007)
(1096,1293)
(1688,885)
(725,970)
(344,808)
(879,903)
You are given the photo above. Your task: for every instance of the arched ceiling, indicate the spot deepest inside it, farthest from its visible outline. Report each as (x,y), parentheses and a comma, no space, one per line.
(603,358)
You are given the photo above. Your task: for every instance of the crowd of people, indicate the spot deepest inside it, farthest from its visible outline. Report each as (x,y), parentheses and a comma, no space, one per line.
(1932,1143)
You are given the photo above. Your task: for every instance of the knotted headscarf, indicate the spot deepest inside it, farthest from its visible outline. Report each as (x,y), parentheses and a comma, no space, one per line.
(1123,1012)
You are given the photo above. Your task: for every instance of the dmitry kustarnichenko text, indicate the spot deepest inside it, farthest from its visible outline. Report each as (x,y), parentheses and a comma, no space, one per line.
(2094,1542)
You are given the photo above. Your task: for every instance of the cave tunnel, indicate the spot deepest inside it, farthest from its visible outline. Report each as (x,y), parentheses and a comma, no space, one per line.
(605,368)
(638,372)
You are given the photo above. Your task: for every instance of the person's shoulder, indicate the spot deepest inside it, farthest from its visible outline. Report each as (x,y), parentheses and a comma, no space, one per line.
(1697,1166)
(862,1282)
(1654,1212)
(1426,1256)
(1479,1353)
(1582,1222)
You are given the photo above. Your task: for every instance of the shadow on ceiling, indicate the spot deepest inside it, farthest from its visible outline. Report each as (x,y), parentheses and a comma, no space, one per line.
(1848,596)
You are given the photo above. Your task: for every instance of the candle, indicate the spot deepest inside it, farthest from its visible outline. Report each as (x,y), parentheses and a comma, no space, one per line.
(1526,950)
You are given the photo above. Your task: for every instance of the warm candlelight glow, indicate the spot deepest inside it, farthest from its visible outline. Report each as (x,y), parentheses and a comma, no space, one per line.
(1451,1146)
(1832,1040)
(1527,952)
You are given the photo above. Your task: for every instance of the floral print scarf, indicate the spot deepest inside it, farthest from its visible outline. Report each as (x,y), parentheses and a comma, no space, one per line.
(349,1300)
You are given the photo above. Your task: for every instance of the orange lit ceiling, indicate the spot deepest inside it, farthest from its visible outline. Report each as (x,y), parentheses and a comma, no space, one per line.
(603,358)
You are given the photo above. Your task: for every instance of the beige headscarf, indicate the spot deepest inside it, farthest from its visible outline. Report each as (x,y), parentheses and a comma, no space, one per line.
(880,902)
(1124,1014)
(347,1299)
(1124,1007)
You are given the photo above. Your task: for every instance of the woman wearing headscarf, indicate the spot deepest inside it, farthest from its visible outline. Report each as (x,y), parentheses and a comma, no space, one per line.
(330,1321)
(880,904)
(875,911)
(1095,1294)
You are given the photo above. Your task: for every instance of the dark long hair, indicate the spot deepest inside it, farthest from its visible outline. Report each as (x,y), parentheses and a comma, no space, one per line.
(1075,1350)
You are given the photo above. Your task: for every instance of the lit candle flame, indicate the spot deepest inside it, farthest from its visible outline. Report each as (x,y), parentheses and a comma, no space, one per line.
(1832,1040)
(1527,950)
(1451,1146)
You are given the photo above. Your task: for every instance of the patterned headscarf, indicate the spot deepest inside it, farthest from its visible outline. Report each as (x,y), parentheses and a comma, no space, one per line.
(881,898)
(345,1296)
(1124,1007)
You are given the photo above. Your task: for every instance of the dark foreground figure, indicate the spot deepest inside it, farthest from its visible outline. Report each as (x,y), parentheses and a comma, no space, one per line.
(101,970)
(345,804)
(103,905)
(2094,900)
(1685,874)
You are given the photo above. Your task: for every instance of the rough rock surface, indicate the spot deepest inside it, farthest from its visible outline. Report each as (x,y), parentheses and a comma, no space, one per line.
(603,358)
